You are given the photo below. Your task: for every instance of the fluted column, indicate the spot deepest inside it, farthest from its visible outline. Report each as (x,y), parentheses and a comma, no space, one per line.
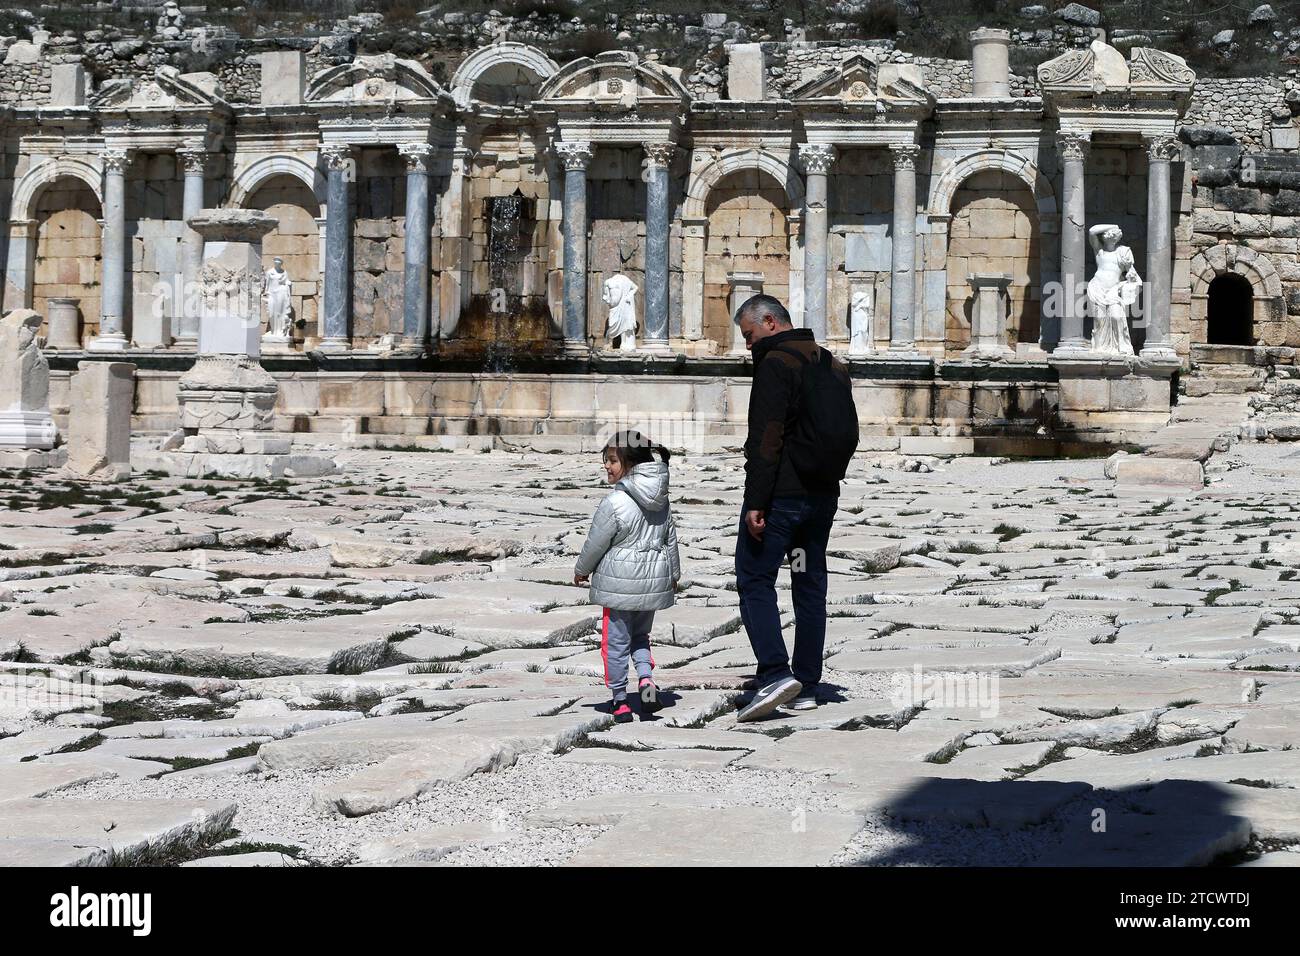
(1073,147)
(195,164)
(112,335)
(816,159)
(659,160)
(1161,151)
(341,169)
(902,280)
(415,274)
(575,157)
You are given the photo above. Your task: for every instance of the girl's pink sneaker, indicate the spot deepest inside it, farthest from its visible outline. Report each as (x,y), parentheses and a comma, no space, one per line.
(623,713)
(649,695)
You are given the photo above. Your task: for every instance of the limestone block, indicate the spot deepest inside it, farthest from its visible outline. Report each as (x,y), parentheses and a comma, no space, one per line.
(25,420)
(1142,471)
(99,423)
(283,77)
(67,85)
(746,73)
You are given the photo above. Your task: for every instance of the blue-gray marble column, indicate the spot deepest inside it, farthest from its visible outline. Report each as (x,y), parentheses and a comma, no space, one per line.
(659,159)
(1073,147)
(816,159)
(341,167)
(415,274)
(575,156)
(194,162)
(1161,151)
(902,279)
(112,335)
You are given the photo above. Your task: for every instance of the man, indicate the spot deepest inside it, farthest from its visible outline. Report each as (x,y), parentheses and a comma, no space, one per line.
(788,509)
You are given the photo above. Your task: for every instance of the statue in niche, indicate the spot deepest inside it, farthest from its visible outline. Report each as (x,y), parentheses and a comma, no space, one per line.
(1112,289)
(861,312)
(620,295)
(276,293)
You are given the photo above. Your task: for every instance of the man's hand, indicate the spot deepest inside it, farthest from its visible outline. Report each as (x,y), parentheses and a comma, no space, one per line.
(581,579)
(756,524)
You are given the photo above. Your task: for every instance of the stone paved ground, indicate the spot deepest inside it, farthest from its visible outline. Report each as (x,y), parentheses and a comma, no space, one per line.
(395,667)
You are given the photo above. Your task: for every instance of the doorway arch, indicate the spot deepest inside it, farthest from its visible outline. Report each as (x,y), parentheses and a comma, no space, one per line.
(1229,305)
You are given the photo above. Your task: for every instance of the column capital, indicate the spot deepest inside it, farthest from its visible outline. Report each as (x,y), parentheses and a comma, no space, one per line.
(1072,143)
(1162,149)
(660,154)
(193,159)
(905,155)
(115,159)
(574,155)
(816,157)
(336,155)
(416,155)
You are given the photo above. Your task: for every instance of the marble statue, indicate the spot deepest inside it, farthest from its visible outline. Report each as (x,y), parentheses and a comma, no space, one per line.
(276,293)
(620,296)
(1111,290)
(861,312)
(25,420)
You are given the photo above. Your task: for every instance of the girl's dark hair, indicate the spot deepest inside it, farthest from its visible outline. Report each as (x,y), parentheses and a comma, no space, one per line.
(632,448)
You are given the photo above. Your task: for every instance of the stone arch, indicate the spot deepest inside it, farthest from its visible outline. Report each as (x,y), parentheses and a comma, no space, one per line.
(28,189)
(946,186)
(1268,317)
(709,174)
(247,181)
(489,58)
(695,218)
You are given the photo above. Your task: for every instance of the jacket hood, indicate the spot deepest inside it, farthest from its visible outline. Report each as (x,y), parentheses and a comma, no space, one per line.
(647,483)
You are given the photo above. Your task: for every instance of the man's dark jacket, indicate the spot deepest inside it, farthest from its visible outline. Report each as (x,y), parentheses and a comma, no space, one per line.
(773,410)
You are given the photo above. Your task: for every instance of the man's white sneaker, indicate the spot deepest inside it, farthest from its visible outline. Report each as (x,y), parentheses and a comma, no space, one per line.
(803,702)
(769,698)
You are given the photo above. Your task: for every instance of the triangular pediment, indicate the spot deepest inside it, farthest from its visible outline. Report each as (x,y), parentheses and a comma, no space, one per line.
(166,89)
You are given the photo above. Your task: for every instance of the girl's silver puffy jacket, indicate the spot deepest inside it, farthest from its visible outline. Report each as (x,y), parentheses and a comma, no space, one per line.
(631,550)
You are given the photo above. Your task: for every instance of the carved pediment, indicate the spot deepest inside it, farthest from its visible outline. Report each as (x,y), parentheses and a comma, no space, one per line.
(617,78)
(1158,69)
(167,89)
(377,80)
(861,78)
(1102,69)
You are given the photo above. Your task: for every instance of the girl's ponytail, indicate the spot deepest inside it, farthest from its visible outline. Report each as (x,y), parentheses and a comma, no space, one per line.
(663,453)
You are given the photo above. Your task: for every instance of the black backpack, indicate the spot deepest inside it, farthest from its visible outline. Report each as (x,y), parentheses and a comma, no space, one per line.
(825,433)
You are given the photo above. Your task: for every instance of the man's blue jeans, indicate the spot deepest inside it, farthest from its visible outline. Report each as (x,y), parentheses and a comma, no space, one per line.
(797,528)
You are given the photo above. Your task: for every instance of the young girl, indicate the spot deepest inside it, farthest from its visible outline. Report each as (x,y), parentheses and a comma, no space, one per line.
(632,563)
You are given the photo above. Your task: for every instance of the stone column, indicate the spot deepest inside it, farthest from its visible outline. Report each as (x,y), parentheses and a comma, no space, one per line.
(744,285)
(990,62)
(1160,152)
(659,159)
(415,276)
(902,280)
(988,326)
(112,335)
(18,270)
(64,323)
(816,159)
(575,157)
(454,243)
(338,238)
(186,310)
(1073,146)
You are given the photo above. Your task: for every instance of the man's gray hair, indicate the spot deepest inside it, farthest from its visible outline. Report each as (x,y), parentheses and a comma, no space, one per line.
(758,307)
